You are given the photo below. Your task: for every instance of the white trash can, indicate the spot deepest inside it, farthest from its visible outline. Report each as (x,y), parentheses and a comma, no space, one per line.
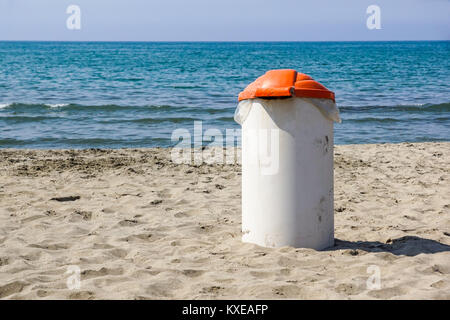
(287,161)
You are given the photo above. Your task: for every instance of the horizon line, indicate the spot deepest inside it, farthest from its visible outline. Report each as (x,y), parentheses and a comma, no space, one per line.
(219,41)
(226,41)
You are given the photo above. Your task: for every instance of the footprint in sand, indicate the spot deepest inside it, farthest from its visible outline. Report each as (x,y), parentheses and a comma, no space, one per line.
(109,210)
(88,274)
(11,288)
(118,253)
(43,293)
(348,289)
(32,218)
(53,246)
(143,237)
(165,194)
(128,223)
(260,274)
(205,228)
(191,273)
(163,288)
(387,293)
(33,256)
(102,246)
(82,295)
(181,215)
(50,213)
(288,262)
(287,291)
(4,261)
(85,215)
(439,284)
(212,289)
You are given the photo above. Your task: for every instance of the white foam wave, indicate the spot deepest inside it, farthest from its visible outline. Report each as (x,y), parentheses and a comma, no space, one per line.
(57,105)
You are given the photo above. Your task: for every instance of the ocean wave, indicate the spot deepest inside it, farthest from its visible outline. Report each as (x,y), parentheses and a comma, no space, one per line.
(57,105)
(445,106)
(150,120)
(23,119)
(16,106)
(47,143)
(397,120)
(428,107)
(225,119)
(379,120)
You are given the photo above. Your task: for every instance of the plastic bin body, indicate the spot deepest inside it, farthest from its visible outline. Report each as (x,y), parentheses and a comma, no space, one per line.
(287,175)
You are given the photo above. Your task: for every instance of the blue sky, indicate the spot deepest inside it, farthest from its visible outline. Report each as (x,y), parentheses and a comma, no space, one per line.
(224,20)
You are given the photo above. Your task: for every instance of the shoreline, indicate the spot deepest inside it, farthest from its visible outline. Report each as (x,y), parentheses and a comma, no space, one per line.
(139,226)
(2,149)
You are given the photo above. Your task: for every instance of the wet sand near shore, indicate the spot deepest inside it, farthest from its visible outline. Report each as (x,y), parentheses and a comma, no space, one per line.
(139,226)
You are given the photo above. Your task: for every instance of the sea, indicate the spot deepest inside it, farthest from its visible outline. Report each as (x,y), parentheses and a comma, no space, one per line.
(73,95)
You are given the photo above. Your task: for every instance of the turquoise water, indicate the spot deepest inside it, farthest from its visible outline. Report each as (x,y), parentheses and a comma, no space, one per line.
(92,95)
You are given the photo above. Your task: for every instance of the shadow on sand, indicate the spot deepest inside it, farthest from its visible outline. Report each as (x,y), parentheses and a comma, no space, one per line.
(408,246)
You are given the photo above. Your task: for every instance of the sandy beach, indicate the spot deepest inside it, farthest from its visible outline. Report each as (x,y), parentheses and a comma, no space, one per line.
(139,226)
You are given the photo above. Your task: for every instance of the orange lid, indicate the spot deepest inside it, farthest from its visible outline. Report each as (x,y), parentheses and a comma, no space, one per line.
(285,83)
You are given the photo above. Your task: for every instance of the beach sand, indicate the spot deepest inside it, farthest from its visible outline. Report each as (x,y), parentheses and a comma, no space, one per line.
(141,227)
